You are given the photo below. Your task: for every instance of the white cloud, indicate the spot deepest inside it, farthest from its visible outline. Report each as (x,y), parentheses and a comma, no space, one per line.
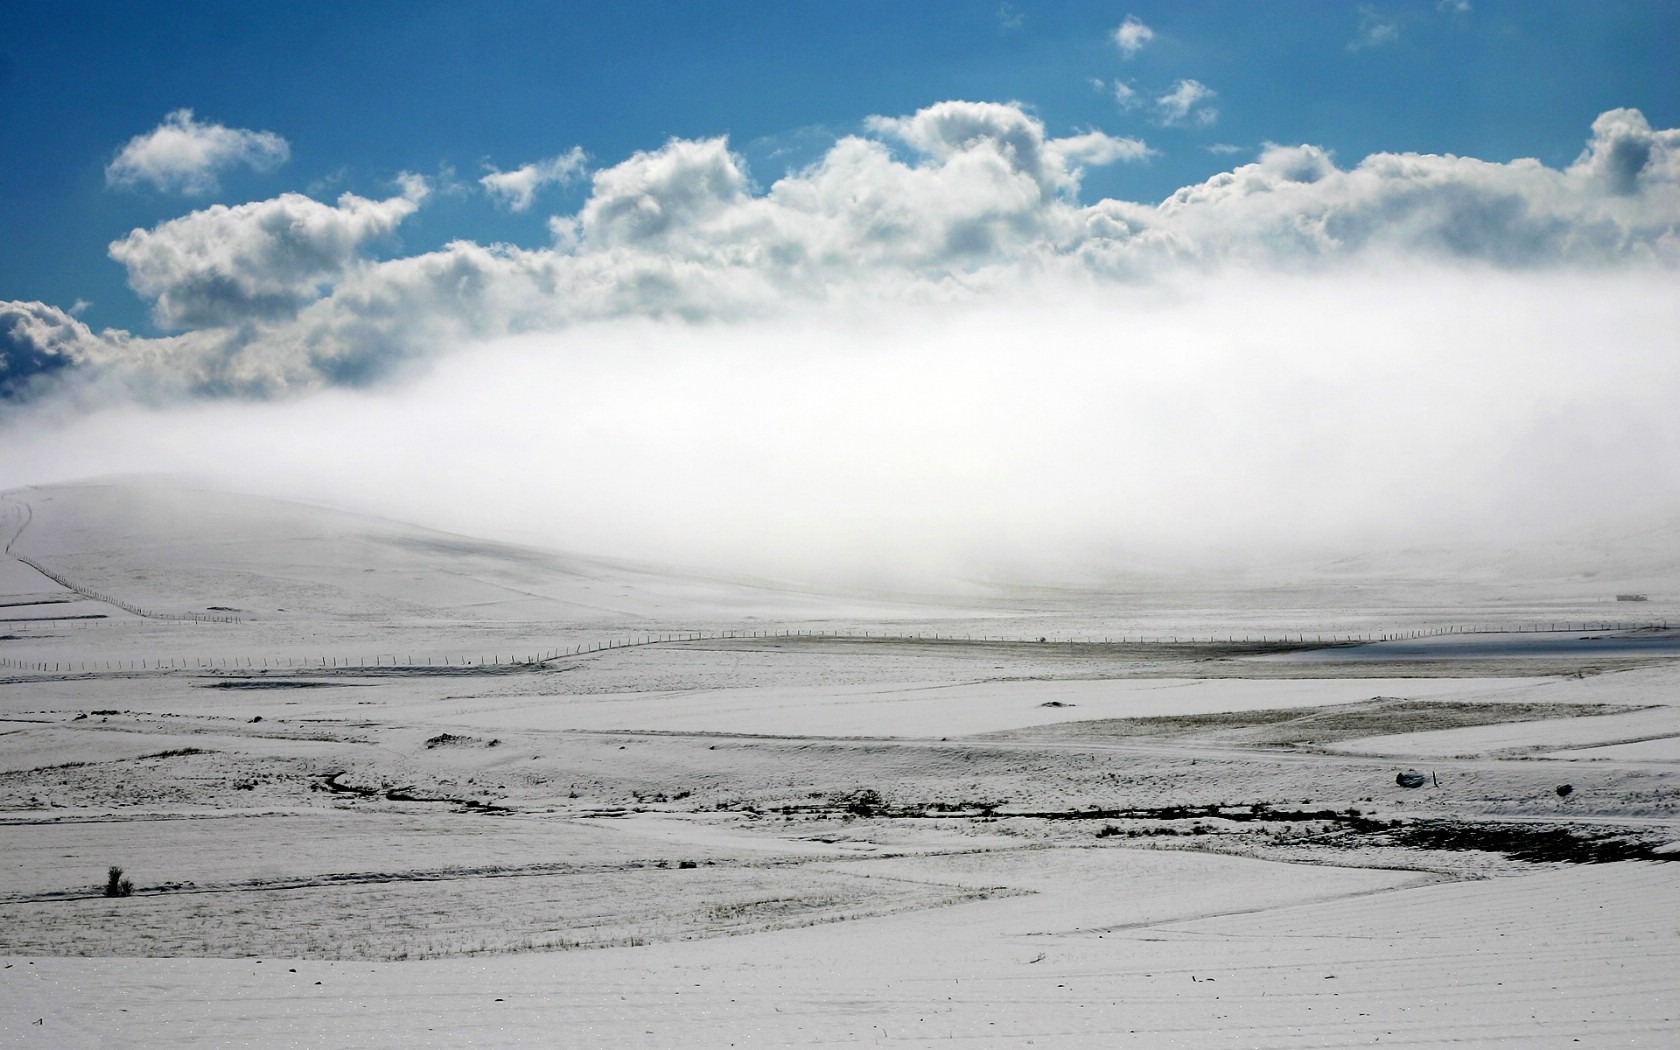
(517,189)
(959,202)
(182,155)
(666,192)
(1625,155)
(1185,104)
(1131,36)
(415,188)
(1095,147)
(1126,96)
(1453,7)
(37,340)
(1376,29)
(1618,202)
(952,130)
(233,265)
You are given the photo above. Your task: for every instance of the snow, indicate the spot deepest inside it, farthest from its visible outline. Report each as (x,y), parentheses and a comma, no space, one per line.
(800,835)
(931,710)
(1465,964)
(1661,749)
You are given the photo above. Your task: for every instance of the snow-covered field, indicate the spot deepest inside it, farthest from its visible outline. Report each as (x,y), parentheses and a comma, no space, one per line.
(355,813)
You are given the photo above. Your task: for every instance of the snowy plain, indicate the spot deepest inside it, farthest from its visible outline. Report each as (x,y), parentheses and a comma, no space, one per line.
(357,813)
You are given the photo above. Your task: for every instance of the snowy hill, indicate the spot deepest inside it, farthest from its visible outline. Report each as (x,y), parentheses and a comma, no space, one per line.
(173,547)
(185,550)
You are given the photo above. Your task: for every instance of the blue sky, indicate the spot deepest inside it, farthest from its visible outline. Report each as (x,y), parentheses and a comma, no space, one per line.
(364,91)
(972,288)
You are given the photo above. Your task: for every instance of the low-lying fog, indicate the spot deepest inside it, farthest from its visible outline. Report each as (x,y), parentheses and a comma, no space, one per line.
(1222,417)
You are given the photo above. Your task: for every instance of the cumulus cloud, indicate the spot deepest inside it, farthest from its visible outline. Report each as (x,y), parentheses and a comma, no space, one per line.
(964,129)
(252,262)
(182,155)
(1185,104)
(1131,36)
(654,196)
(960,202)
(37,340)
(1295,204)
(1095,147)
(517,189)
(1626,155)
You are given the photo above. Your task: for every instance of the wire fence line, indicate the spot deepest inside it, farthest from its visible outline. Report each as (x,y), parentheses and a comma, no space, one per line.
(432,663)
(127,607)
(28,516)
(422,663)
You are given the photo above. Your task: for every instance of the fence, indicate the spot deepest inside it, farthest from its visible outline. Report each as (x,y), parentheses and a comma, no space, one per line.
(28,517)
(420,664)
(150,614)
(424,663)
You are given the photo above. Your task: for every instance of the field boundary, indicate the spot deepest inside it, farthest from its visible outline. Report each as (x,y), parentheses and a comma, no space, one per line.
(422,664)
(90,593)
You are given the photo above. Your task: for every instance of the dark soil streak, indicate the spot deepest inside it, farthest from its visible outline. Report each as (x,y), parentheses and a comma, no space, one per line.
(331,782)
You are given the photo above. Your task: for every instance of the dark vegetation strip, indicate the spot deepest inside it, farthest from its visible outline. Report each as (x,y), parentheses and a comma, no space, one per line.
(331,782)
(1535,843)
(869,803)
(270,683)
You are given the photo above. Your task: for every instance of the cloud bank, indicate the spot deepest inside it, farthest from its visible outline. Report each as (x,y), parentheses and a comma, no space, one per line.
(960,199)
(922,351)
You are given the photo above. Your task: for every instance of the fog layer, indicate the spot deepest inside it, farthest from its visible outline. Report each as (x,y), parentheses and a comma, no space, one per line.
(1061,431)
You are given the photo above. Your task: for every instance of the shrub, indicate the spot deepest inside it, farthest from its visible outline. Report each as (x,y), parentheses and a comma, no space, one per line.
(115,884)
(866,802)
